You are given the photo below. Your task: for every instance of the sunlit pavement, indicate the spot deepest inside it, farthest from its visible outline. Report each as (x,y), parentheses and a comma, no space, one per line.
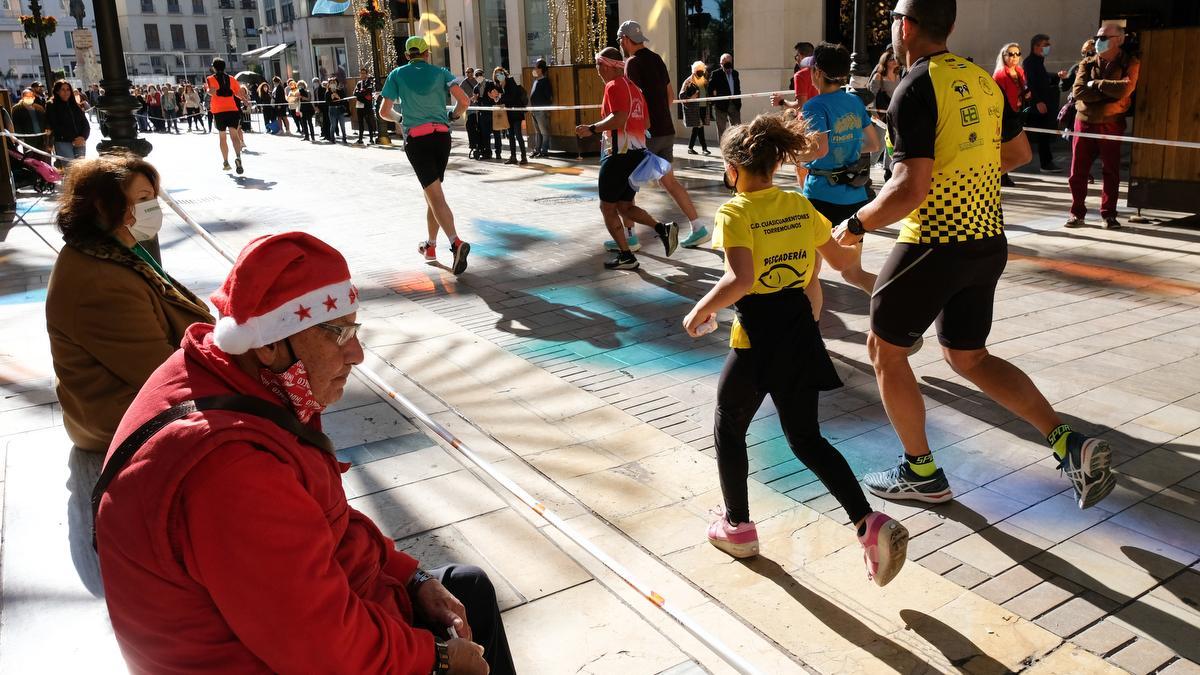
(581,385)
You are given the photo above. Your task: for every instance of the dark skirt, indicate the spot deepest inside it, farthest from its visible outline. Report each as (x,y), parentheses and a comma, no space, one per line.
(786,341)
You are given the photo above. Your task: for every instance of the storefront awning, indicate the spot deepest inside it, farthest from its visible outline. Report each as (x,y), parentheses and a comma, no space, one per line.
(254,53)
(273,51)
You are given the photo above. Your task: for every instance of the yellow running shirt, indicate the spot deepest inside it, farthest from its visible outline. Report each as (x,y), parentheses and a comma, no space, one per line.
(951,111)
(782,231)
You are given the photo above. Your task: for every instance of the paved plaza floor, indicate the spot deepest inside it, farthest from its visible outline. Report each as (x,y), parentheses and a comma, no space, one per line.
(580,385)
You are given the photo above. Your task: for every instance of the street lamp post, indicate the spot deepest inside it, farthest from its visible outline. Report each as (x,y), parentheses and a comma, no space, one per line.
(116,103)
(35,8)
(858,60)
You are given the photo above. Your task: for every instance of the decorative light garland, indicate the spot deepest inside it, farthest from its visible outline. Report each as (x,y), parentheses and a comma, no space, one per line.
(366,51)
(578,29)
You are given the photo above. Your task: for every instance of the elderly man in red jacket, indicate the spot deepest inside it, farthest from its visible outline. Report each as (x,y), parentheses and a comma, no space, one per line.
(226,543)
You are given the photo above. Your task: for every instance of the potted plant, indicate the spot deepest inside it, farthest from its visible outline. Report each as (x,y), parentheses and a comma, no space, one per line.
(39,28)
(371,18)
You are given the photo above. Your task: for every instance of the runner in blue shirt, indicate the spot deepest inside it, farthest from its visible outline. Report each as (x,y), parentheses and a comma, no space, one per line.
(418,89)
(836,180)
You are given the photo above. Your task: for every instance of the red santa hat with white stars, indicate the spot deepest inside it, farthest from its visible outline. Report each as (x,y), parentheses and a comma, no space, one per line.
(280,285)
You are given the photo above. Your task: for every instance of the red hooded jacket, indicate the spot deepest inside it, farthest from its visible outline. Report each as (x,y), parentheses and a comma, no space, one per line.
(227,545)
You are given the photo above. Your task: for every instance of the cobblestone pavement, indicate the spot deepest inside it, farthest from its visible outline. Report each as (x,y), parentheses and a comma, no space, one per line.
(582,379)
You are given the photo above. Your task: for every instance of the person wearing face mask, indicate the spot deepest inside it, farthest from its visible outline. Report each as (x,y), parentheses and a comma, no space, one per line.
(512,95)
(272,570)
(112,312)
(1103,92)
(726,82)
(30,118)
(695,115)
(1043,86)
(771,238)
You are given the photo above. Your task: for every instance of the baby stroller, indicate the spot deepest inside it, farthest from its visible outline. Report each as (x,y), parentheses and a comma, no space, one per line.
(30,172)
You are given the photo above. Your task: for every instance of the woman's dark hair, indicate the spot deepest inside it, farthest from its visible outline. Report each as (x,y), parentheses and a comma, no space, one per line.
(541,65)
(59,84)
(93,202)
(886,56)
(218,65)
(769,140)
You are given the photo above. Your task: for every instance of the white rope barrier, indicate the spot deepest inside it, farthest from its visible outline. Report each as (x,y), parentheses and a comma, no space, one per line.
(39,151)
(402,404)
(1066,133)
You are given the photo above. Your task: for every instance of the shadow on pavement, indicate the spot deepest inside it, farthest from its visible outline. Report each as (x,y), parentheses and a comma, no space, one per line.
(1177,634)
(895,655)
(956,647)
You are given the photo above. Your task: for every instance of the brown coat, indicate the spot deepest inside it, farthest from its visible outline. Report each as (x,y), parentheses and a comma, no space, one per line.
(1109,97)
(112,321)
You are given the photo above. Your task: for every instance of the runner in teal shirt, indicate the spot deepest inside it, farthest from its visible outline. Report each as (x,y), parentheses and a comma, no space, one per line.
(419,89)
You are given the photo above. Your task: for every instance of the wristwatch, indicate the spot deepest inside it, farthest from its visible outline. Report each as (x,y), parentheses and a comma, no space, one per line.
(855,226)
(441,666)
(419,577)
(592,128)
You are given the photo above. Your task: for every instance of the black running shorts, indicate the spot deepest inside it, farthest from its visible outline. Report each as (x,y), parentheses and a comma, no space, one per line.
(952,283)
(227,120)
(429,155)
(615,171)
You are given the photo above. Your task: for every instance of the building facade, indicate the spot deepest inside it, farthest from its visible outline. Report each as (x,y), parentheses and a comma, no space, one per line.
(19,56)
(297,45)
(176,40)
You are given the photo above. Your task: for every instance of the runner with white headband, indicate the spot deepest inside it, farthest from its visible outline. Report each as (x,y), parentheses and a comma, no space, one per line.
(624,124)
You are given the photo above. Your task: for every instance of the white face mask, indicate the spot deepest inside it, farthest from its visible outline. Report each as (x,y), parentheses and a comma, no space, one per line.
(479,78)
(147,220)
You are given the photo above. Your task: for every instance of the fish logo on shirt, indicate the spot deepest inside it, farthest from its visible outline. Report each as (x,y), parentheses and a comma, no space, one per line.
(780,276)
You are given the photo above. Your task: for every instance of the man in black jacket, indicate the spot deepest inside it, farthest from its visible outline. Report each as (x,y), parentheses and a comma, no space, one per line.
(1045,98)
(726,82)
(364,106)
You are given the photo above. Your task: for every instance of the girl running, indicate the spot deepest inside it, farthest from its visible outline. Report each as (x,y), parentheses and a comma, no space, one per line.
(771,239)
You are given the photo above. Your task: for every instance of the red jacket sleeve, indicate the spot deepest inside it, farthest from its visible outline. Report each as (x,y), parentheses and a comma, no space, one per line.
(261,546)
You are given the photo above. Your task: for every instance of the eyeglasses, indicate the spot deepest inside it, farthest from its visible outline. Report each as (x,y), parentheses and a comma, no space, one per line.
(344,333)
(1012,54)
(898,15)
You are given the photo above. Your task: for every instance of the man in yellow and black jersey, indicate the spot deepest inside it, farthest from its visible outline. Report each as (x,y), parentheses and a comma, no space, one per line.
(953,137)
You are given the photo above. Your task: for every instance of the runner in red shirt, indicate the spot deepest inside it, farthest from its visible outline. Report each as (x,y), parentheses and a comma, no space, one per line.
(803,88)
(224,92)
(623,124)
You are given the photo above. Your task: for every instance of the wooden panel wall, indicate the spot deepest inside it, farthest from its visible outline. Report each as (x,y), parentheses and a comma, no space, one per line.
(1168,106)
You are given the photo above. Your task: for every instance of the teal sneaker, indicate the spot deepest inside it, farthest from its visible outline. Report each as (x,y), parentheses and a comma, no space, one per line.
(697,237)
(611,245)
(1088,465)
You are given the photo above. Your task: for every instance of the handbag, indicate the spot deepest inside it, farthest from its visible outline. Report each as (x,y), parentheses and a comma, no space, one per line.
(499,118)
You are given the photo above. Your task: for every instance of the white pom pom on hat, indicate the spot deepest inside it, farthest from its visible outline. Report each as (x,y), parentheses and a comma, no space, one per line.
(280,285)
(232,338)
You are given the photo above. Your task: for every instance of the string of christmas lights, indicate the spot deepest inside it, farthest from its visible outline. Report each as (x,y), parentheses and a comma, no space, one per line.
(578,29)
(366,52)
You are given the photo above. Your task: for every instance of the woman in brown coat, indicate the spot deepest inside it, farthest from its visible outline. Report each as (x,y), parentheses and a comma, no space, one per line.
(113,314)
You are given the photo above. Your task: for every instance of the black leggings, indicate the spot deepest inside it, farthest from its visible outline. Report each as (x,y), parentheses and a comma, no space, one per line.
(475,591)
(738,399)
(697,135)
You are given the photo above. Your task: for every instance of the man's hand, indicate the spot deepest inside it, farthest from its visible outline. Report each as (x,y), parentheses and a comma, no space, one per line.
(844,236)
(466,657)
(776,99)
(583,131)
(442,608)
(1041,108)
(1062,74)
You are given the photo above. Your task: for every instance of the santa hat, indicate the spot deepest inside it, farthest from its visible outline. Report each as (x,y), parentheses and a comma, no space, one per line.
(280,285)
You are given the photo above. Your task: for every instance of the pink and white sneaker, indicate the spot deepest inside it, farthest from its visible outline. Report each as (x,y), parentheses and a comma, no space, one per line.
(885,544)
(739,542)
(428,250)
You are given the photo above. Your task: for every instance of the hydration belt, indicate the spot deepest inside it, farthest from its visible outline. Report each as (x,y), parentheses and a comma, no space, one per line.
(856,175)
